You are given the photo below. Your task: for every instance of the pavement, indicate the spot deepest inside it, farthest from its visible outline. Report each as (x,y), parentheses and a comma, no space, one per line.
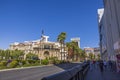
(24,68)
(34,73)
(107,74)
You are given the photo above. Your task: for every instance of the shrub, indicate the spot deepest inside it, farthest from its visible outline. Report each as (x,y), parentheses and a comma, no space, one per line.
(31,61)
(57,62)
(2,67)
(23,62)
(53,60)
(63,61)
(14,64)
(37,62)
(3,63)
(45,62)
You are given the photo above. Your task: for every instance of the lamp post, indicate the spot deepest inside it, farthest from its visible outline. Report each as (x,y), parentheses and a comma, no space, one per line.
(61,50)
(40,48)
(39,51)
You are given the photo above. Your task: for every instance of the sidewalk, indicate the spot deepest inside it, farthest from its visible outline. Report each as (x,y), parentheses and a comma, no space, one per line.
(95,74)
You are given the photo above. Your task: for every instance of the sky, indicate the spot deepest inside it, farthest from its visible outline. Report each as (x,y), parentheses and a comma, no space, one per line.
(23,20)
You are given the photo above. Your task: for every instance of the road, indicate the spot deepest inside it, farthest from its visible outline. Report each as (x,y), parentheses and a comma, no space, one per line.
(35,73)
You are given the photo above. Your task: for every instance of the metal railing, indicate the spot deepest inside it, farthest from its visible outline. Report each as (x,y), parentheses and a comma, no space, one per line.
(75,73)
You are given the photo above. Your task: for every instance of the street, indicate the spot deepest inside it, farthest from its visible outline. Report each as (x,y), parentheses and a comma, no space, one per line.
(35,73)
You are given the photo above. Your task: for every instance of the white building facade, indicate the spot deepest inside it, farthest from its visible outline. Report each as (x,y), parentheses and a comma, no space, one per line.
(42,47)
(109,30)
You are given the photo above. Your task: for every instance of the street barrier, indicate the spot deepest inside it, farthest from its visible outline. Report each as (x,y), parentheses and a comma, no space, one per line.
(59,76)
(85,68)
(75,73)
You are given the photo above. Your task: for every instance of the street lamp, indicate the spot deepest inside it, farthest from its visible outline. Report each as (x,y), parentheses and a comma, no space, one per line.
(40,48)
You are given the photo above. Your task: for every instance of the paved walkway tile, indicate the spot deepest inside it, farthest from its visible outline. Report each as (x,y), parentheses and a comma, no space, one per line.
(96,74)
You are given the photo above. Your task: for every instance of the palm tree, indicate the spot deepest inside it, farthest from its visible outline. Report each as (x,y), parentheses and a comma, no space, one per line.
(61,39)
(83,55)
(73,50)
(70,50)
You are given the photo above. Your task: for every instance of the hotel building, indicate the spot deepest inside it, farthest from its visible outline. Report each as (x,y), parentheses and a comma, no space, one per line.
(42,47)
(109,29)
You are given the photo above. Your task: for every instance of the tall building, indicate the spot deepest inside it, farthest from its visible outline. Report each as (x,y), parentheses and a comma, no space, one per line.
(109,30)
(77,40)
(100,14)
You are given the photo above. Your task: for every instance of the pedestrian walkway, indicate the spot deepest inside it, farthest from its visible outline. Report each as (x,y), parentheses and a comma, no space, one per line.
(96,74)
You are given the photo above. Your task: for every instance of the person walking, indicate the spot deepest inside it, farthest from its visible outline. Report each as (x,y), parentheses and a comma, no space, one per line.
(101,66)
(94,64)
(97,64)
(105,65)
(110,65)
(91,65)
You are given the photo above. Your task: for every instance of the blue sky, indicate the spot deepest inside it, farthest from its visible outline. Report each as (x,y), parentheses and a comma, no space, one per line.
(23,20)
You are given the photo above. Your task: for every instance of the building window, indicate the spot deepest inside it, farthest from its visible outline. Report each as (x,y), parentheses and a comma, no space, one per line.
(46,46)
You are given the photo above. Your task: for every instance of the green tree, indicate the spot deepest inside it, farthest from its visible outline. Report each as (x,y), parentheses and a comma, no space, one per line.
(91,56)
(98,57)
(2,54)
(94,56)
(7,54)
(16,54)
(83,55)
(61,39)
(71,50)
(31,56)
(74,52)
(77,52)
